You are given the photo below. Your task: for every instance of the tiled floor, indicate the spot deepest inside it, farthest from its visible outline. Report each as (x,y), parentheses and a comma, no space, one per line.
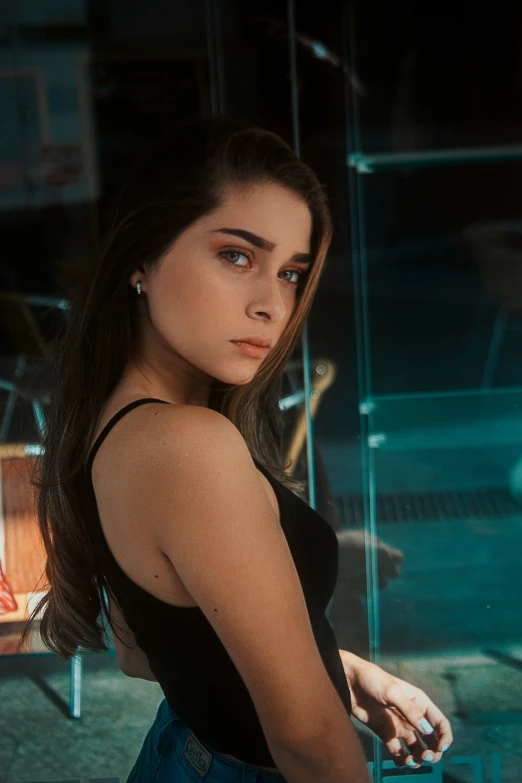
(39,742)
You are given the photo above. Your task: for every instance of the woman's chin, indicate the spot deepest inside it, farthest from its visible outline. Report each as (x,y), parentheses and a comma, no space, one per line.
(239,378)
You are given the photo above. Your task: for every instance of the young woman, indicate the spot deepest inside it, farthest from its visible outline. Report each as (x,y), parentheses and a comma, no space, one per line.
(162,488)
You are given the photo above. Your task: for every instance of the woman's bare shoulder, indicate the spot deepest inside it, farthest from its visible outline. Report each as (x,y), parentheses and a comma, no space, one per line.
(161,432)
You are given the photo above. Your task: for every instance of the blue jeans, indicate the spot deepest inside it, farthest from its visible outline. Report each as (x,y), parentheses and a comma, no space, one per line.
(172,754)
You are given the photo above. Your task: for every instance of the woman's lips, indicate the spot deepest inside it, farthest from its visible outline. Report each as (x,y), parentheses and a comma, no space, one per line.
(258,351)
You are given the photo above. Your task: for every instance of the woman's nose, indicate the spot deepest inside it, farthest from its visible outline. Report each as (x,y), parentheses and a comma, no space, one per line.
(270,300)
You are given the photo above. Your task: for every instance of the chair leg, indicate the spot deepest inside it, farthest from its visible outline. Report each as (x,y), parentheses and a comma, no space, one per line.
(11,399)
(75,686)
(39,417)
(8,414)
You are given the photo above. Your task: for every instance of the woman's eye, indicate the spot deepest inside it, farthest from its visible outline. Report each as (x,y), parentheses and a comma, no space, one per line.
(299,274)
(233,262)
(236,253)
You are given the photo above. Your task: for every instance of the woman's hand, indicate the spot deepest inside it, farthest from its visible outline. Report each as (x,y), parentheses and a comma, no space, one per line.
(395,710)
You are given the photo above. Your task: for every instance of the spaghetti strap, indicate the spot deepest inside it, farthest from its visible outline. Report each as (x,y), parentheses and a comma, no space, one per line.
(110,424)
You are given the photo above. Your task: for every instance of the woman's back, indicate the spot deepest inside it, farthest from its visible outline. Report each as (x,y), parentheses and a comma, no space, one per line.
(127,532)
(128,535)
(202,667)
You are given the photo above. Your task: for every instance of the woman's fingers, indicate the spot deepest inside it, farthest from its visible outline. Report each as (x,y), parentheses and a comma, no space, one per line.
(418,751)
(442,738)
(422,715)
(398,753)
(419,736)
(396,697)
(410,751)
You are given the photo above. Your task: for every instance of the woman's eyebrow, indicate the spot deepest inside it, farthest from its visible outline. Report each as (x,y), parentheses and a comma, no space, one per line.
(263,244)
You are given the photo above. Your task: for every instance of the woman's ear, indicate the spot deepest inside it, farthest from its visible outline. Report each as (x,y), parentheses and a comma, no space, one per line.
(138,274)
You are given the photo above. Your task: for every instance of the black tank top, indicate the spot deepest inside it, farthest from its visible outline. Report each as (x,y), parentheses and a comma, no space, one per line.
(193,668)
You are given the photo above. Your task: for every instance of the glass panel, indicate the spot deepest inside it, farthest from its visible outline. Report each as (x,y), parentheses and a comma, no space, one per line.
(449,480)
(432,157)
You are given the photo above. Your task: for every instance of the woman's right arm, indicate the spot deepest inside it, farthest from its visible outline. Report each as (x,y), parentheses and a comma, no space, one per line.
(200,490)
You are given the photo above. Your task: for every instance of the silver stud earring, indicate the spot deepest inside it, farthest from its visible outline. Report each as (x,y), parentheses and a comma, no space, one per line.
(138,287)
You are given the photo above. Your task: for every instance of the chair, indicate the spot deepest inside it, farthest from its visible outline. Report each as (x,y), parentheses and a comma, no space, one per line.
(27,373)
(323,375)
(30,378)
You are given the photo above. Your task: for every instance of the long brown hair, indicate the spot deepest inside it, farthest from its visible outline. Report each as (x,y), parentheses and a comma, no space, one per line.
(180,178)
